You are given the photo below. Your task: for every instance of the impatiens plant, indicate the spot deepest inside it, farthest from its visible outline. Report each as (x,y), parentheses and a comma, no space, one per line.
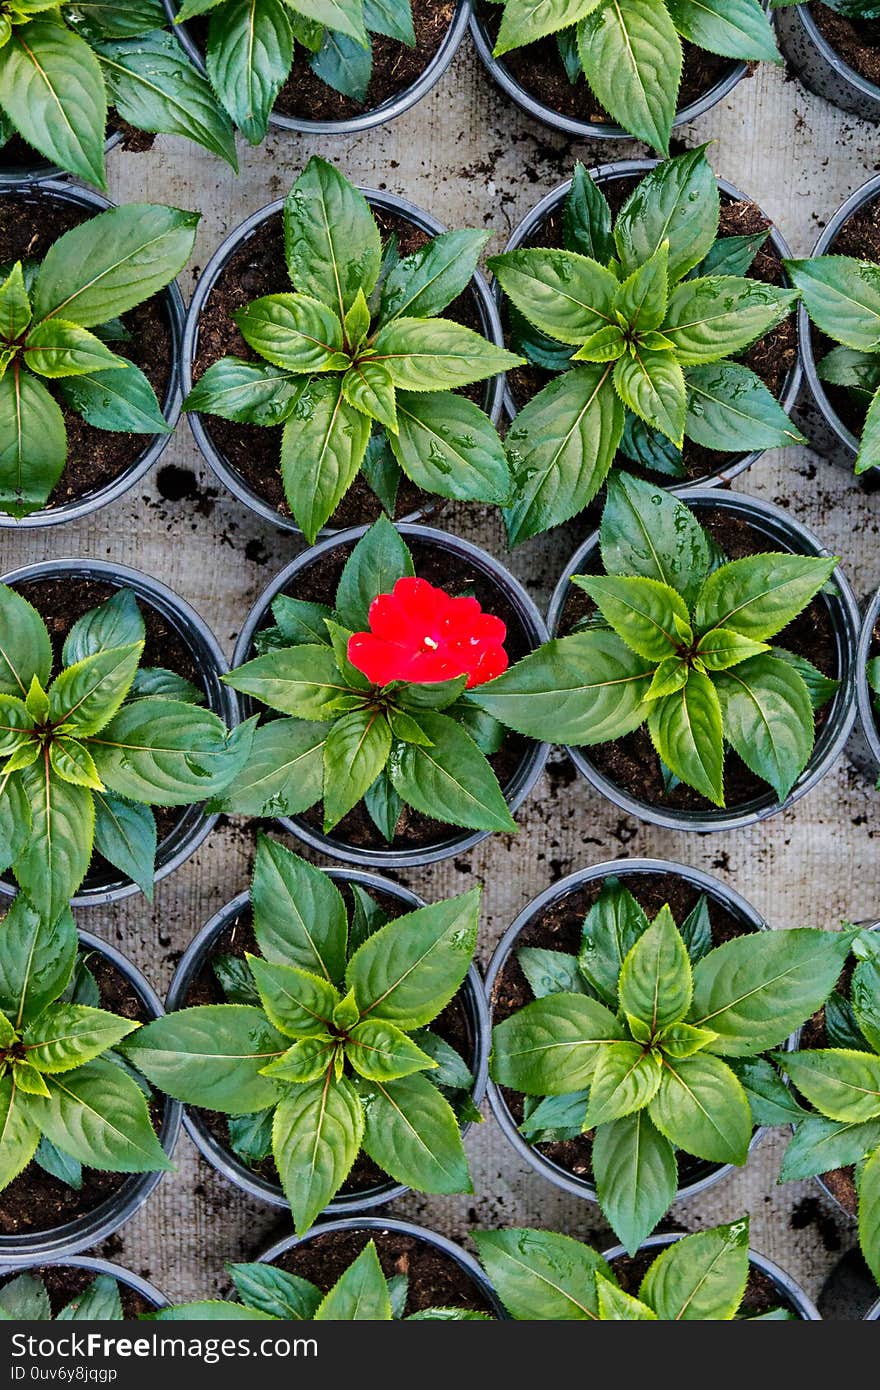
(48,357)
(331,1053)
(842,297)
(358,367)
(842,1084)
(251,45)
(650,1040)
(680,642)
(543,1276)
(374,694)
(67,1097)
(60,65)
(872,672)
(361,1294)
(639,322)
(84,756)
(25,1299)
(630,51)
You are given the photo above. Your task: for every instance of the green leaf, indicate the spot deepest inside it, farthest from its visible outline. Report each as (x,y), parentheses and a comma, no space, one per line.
(732,255)
(678,202)
(869,444)
(19,1130)
(841,1083)
(524,22)
(392,18)
(284,773)
(296,1002)
(446,445)
(842,297)
(759,595)
(250,1136)
(113,262)
(167,753)
(369,388)
(33,442)
(52,89)
(331,239)
(702,1108)
(307,1060)
(380,1052)
(719,315)
(359,1294)
(729,408)
(866,1000)
(100,1301)
(632,58)
(819,1145)
(67,1035)
(770,1100)
(16,721)
(316,1136)
(344,16)
(450,781)
(655,979)
(293,331)
(379,559)
(554,1118)
(612,927)
(683,1040)
(15,306)
(542,1275)
(355,752)
(626,1078)
(869,1212)
(248,392)
(207,1310)
(87,695)
(36,960)
(299,621)
(561,447)
(210,1055)
(696,930)
(138,18)
(59,848)
(99,1115)
(642,611)
(125,835)
(756,989)
(721,648)
(685,729)
(645,531)
(636,1176)
(412,1133)
(768,719)
(249,53)
(410,969)
(115,623)
(437,354)
(617,1306)
(700,1277)
(653,385)
(841,1026)
(275,1292)
(299,913)
(586,217)
(844,366)
(25,1297)
(551,1047)
(235,979)
(551,972)
(641,299)
(322,447)
(343,64)
(566,295)
(421,285)
(56,348)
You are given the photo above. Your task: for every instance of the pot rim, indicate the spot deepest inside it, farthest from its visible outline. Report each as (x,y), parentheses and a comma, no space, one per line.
(532,765)
(846,625)
(623,868)
(626,168)
(388,110)
(132,1281)
(225,471)
(59,1242)
(863,691)
(219,697)
(45,172)
(832,57)
(218,1155)
(175,312)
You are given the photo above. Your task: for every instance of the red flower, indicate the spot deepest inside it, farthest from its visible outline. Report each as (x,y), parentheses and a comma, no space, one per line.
(420,634)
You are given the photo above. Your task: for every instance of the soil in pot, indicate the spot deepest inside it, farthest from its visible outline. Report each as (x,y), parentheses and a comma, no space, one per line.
(559,927)
(841,1182)
(63,1283)
(858,237)
(238,940)
(29,224)
(18,154)
(35,1201)
(856,41)
(435,1279)
(761,1296)
(257,267)
(60,602)
(448,571)
(538,69)
(632,762)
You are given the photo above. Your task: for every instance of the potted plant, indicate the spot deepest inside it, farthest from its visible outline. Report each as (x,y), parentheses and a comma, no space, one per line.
(60,68)
(696,731)
(602,71)
(833,49)
(629,325)
(709,1276)
(673,1083)
(868,683)
(836,1070)
(284,67)
(150,670)
(83,1145)
(353,380)
(840,289)
(382,757)
(93,322)
(77,1290)
(398,1268)
(338,1091)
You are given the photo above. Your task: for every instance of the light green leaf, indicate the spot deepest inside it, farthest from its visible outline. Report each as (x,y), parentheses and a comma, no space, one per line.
(449,780)
(542,1275)
(768,719)
(210,1055)
(632,58)
(412,1133)
(322,447)
(299,913)
(316,1136)
(331,240)
(99,1115)
(293,331)
(655,980)
(636,1176)
(700,1277)
(551,1046)
(685,729)
(566,295)
(702,1108)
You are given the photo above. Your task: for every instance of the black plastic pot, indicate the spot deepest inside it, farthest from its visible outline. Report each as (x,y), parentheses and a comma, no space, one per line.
(628,169)
(59,1242)
(175,311)
(782,532)
(865,749)
(873,1313)
(838,434)
(490,325)
(820,67)
(145,1290)
(532,764)
(102,886)
(41,170)
(376,1225)
(590,130)
(219,1155)
(707,1174)
(790,1293)
(380,115)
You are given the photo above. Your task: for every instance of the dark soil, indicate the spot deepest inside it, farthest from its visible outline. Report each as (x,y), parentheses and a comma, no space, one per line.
(538,68)
(258,268)
(632,763)
(239,940)
(18,154)
(63,1283)
(771,357)
(435,1279)
(761,1295)
(560,928)
(29,224)
(841,1182)
(857,41)
(35,1201)
(858,237)
(318,584)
